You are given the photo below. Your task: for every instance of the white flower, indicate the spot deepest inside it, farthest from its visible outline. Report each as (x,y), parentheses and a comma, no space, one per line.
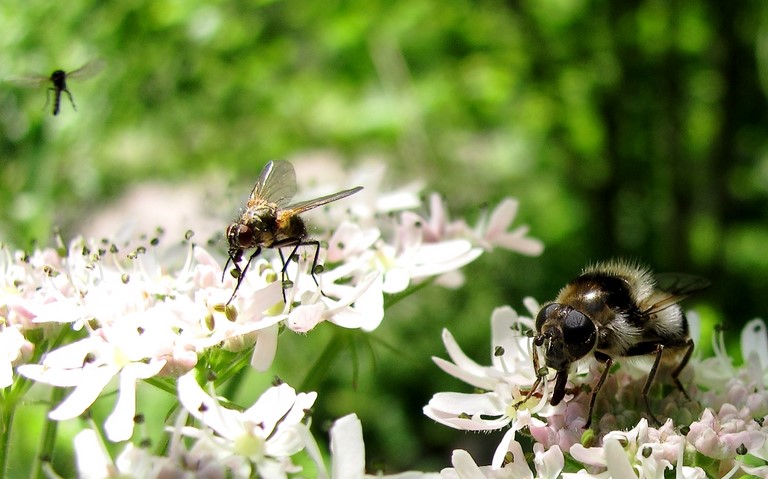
(89,365)
(267,433)
(506,382)
(548,465)
(13,347)
(492,231)
(348,453)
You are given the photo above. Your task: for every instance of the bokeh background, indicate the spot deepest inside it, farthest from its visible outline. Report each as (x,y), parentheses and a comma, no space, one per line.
(632,129)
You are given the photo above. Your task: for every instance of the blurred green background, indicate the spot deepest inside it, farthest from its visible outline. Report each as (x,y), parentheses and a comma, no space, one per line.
(625,129)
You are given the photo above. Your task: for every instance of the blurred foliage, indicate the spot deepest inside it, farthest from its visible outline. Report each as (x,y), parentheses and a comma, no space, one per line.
(625,128)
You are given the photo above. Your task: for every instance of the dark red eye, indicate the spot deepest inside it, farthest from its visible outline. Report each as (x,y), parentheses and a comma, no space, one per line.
(239,236)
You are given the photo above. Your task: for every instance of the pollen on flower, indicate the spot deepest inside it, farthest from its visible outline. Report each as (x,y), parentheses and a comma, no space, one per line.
(248,445)
(522,403)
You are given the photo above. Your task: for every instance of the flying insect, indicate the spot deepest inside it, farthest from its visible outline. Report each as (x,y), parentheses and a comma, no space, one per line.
(59,79)
(614,310)
(269,221)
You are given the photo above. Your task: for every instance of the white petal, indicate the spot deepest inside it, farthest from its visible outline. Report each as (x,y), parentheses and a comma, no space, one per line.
(396,280)
(549,464)
(226,422)
(271,406)
(459,358)
(93,462)
(501,217)
(347,448)
(94,381)
(479,381)
(465,466)
(265,349)
(616,459)
(518,468)
(119,424)
(754,340)
(6,374)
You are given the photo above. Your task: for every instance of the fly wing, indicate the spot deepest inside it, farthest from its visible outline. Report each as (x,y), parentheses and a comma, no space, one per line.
(276,184)
(31,80)
(302,206)
(671,288)
(88,70)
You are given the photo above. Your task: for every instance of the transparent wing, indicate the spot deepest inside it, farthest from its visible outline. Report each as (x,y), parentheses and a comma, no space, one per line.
(88,70)
(31,80)
(302,206)
(671,288)
(276,184)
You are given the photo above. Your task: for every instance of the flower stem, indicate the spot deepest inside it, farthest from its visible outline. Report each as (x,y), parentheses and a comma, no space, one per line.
(48,437)
(8,411)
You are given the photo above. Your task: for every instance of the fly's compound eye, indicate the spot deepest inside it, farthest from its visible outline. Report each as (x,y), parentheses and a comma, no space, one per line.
(579,332)
(240,236)
(546,312)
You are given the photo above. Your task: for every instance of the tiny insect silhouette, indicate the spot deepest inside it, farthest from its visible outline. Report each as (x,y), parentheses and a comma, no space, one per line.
(59,80)
(268,221)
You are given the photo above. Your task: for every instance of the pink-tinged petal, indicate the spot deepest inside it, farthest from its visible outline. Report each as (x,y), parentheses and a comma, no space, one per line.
(550,463)
(592,456)
(617,461)
(265,349)
(757,471)
(438,258)
(304,318)
(95,379)
(501,217)
(347,448)
(516,241)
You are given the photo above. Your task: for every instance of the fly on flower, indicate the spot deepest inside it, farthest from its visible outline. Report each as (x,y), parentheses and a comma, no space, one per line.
(613,310)
(269,221)
(59,81)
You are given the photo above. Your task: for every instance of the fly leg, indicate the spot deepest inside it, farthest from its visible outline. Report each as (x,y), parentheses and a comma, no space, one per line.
(316,268)
(652,376)
(241,272)
(71,100)
(287,283)
(679,368)
(608,363)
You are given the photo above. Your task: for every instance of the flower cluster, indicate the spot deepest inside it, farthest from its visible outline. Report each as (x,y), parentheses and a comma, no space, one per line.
(721,432)
(92,314)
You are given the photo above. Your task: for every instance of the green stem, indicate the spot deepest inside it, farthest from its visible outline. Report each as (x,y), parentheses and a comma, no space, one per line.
(8,411)
(393,299)
(48,437)
(321,367)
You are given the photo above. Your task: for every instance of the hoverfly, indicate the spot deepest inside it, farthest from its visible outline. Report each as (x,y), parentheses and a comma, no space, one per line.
(268,221)
(613,310)
(59,80)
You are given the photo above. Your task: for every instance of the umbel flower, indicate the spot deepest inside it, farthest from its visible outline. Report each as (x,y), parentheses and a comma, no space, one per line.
(99,317)
(720,433)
